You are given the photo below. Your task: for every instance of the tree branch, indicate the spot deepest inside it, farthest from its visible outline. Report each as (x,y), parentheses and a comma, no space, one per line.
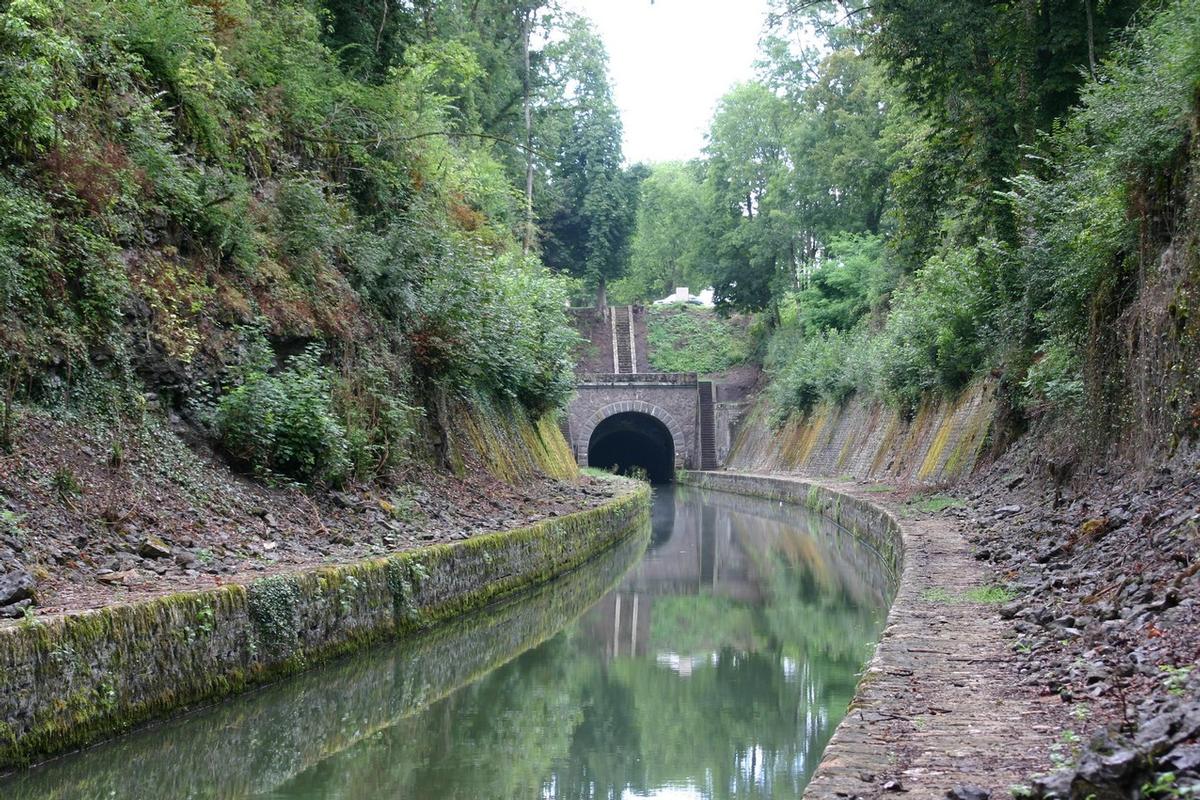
(378,140)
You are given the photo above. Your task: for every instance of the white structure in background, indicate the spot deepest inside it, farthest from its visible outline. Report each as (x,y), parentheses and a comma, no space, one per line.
(682,295)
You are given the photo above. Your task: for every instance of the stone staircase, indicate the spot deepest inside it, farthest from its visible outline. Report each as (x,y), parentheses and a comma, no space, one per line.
(624,344)
(708,438)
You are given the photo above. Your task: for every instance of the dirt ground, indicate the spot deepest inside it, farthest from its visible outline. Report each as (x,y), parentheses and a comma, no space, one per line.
(94,523)
(1105,615)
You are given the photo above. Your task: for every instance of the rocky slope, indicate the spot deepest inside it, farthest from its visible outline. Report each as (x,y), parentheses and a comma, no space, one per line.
(1105,572)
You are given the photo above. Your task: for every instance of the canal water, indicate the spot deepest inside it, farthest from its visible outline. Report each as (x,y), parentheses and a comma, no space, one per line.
(710,657)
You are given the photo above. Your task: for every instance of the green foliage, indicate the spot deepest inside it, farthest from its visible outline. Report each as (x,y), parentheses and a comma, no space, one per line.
(687,339)
(954,189)
(986,595)
(935,337)
(665,251)
(379,424)
(588,206)
(176,173)
(284,424)
(806,370)
(851,280)
(34,58)
(274,607)
(1175,679)
(750,247)
(66,483)
(934,503)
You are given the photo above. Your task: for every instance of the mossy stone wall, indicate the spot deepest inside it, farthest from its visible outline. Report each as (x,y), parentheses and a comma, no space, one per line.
(941,442)
(510,445)
(250,746)
(68,681)
(867,522)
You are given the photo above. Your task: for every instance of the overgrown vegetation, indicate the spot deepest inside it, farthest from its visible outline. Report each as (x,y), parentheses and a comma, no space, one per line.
(284,423)
(941,191)
(690,339)
(346,178)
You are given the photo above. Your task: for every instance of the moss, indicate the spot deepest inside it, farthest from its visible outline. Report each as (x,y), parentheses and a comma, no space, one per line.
(933,455)
(277,626)
(274,609)
(511,446)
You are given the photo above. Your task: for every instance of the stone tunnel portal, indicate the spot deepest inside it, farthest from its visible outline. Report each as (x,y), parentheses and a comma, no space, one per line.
(633,439)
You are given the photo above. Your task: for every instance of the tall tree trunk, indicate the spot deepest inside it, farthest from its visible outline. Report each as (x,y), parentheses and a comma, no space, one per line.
(382,25)
(602,293)
(527,240)
(1091,37)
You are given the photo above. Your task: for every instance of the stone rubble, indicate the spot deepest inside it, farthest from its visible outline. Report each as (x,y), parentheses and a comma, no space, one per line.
(1106,620)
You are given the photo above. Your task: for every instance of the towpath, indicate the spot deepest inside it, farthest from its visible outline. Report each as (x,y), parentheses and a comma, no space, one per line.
(941,707)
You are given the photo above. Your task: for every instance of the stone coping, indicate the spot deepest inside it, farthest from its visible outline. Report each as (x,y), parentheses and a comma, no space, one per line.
(686,379)
(75,679)
(939,706)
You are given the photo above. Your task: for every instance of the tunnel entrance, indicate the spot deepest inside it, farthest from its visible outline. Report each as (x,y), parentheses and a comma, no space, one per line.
(633,439)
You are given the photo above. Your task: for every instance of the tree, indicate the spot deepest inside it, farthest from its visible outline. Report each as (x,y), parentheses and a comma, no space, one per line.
(665,250)
(588,202)
(746,154)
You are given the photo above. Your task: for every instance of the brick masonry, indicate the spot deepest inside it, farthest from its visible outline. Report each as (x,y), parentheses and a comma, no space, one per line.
(671,398)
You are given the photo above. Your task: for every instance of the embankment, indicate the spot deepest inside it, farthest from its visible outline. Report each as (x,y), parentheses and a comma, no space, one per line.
(939,707)
(940,443)
(74,679)
(304,721)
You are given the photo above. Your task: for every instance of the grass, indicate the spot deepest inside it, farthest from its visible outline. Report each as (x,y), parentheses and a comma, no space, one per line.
(686,339)
(987,595)
(991,595)
(934,503)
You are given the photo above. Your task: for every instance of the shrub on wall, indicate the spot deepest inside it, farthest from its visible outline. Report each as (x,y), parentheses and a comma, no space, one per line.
(284,424)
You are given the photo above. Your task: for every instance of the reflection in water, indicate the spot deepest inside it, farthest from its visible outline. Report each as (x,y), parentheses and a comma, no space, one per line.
(718,668)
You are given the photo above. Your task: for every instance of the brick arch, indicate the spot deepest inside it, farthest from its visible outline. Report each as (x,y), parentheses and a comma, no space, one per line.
(637,407)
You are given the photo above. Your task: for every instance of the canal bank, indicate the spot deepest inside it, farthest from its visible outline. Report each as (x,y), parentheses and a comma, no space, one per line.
(249,745)
(71,680)
(941,707)
(717,667)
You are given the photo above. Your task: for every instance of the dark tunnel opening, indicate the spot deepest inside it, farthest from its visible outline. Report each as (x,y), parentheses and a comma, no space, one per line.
(629,440)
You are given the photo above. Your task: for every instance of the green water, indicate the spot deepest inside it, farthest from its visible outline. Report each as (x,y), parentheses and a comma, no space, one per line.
(710,657)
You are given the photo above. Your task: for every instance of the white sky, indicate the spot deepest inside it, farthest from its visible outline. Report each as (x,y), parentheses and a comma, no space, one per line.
(670,61)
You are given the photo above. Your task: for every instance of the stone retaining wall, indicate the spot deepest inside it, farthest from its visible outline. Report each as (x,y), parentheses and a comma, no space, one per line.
(251,745)
(865,520)
(941,442)
(69,681)
(844,760)
(940,708)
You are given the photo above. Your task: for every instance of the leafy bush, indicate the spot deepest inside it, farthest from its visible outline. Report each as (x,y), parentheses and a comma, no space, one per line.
(1056,378)
(935,339)
(284,424)
(34,56)
(806,370)
(850,281)
(379,424)
(1105,170)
